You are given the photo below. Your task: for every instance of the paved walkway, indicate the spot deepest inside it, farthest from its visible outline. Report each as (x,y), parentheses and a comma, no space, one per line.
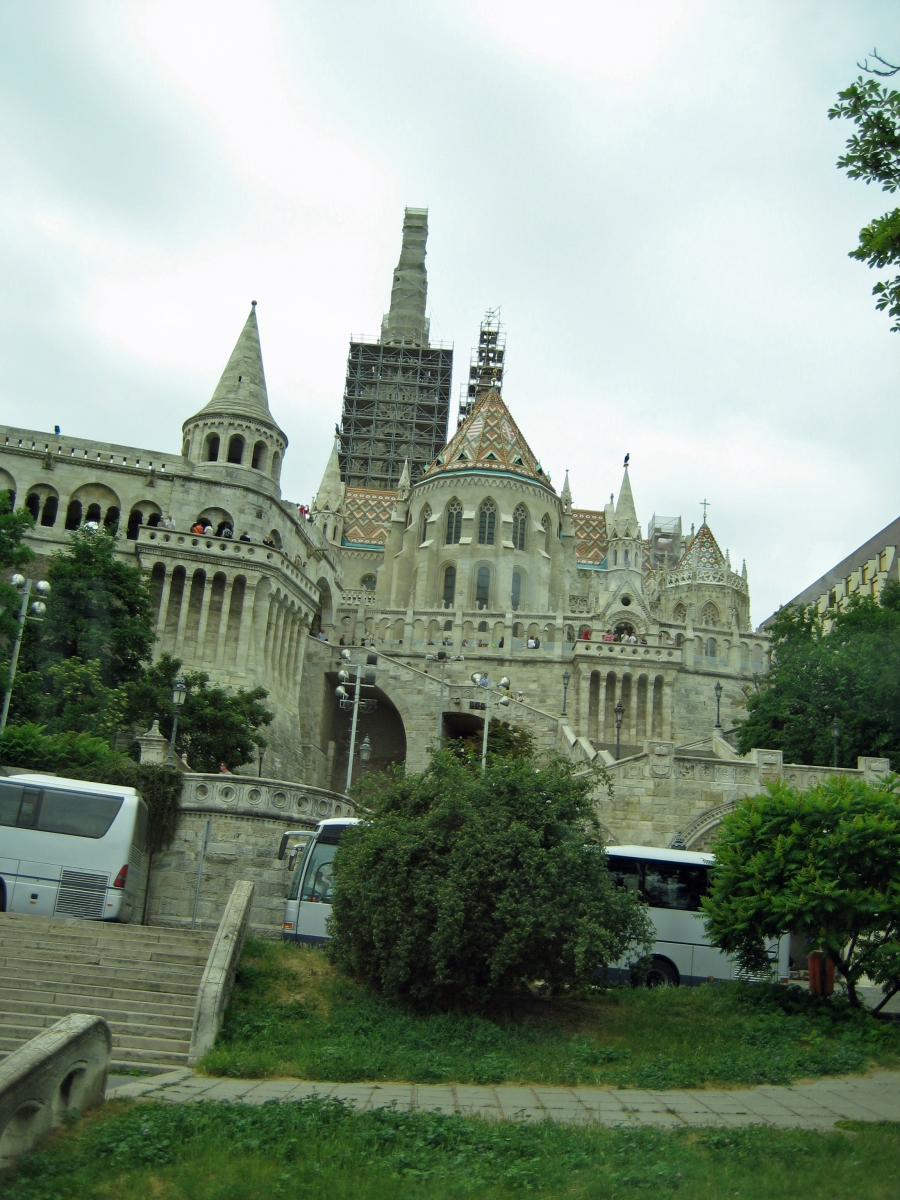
(815,1105)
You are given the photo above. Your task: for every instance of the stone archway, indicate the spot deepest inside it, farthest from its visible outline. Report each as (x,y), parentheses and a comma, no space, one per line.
(385,729)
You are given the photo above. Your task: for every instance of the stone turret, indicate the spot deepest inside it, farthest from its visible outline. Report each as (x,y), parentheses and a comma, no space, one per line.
(235,431)
(406,323)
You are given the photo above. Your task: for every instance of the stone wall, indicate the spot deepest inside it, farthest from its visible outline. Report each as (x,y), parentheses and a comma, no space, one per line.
(670,790)
(247,819)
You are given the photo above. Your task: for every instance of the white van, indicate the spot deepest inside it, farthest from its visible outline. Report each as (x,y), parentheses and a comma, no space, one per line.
(672,883)
(69,848)
(308,906)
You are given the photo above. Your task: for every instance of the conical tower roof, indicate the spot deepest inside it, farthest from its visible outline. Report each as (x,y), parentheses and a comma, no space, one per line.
(241,392)
(489,440)
(625,520)
(703,551)
(331,490)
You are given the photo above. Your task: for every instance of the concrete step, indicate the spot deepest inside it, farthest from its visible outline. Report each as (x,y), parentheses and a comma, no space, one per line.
(131,1038)
(15,1011)
(100,973)
(74,1000)
(123,1057)
(61,950)
(73,926)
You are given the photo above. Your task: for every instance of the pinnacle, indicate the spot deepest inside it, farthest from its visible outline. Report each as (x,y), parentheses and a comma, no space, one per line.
(626,516)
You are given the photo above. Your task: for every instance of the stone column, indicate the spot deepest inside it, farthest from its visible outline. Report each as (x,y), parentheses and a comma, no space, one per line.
(204,619)
(183,615)
(245,630)
(224,621)
(163,607)
(668,708)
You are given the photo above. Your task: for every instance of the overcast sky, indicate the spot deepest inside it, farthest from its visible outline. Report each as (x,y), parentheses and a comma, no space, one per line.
(646,189)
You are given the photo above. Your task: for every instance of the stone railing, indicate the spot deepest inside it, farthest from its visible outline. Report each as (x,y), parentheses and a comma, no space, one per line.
(218,976)
(104,454)
(691,575)
(356,596)
(247,796)
(254,554)
(62,1070)
(663,653)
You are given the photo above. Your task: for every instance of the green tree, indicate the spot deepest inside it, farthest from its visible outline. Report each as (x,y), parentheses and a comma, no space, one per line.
(14,556)
(461,886)
(101,610)
(504,741)
(873,155)
(215,725)
(851,671)
(822,863)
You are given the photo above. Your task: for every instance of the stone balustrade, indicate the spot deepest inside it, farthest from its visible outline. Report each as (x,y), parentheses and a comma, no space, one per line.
(248,796)
(61,1070)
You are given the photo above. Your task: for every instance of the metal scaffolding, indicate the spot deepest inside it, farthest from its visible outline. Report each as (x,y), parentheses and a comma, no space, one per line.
(396,406)
(664,542)
(486,364)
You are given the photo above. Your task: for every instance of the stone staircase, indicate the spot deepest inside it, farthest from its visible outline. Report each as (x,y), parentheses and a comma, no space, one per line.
(142,979)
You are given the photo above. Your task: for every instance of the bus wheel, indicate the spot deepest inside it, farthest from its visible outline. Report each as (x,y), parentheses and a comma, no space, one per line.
(661,974)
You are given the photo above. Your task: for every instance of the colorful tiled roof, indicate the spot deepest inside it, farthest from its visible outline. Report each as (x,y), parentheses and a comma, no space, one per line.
(703,551)
(489,440)
(590,536)
(367,515)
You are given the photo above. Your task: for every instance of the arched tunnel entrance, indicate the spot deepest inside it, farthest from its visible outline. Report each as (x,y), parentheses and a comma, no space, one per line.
(383,727)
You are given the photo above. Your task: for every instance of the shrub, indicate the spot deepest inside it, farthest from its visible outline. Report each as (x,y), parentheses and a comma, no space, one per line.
(464,885)
(822,863)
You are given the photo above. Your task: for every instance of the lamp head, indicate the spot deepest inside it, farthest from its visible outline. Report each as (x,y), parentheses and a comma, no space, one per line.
(344,676)
(365,750)
(566,676)
(345,655)
(718,690)
(503,702)
(38,608)
(42,587)
(476,677)
(18,581)
(179,690)
(341,693)
(504,682)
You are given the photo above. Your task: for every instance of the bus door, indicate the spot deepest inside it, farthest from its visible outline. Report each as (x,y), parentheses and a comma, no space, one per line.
(673,890)
(35,889)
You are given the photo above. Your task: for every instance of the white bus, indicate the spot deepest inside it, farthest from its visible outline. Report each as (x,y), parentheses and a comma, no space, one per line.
(672,884)
(308,906)
(69,848)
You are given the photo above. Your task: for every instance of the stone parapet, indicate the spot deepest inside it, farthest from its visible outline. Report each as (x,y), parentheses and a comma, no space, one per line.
(248,796)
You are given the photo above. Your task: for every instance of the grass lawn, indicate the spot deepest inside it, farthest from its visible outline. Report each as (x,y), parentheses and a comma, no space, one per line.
(131,1151)
(293,1014)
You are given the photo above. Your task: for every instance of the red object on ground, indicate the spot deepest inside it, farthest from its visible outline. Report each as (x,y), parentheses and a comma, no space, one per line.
(821,974)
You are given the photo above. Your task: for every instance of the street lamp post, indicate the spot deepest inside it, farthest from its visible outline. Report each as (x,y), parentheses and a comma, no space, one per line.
(619,710)
(443,658)
(836,738)
(179,692)
(365,678)
(483,681)
(37,609)
(566,678)
(365,753)
(718,690)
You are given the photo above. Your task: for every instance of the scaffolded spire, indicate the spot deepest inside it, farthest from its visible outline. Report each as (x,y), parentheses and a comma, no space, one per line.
(485,365)
(406,322)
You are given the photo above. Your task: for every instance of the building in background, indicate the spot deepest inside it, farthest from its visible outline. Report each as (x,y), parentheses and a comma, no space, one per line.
(862,573)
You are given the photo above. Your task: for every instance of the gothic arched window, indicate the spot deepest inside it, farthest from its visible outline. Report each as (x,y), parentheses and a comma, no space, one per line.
(487,519)
(710,615)
(454,523)
(520,519)
(368,583)
(426,517)
(482,587)
(516,590)
(545,525)
(449,586)
(711,648)
(680,613)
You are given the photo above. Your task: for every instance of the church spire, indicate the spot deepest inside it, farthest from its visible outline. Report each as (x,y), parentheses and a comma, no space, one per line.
(626,522)
(331,490)
(406,322)
(566,495)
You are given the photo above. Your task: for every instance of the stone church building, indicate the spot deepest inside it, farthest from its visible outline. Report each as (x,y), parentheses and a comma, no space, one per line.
(613,626)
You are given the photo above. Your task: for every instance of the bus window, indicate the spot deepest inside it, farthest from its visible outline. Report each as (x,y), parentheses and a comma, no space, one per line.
(319,882)
(10,799)
(675,885)
(77,814)
(140,827)
(626,872)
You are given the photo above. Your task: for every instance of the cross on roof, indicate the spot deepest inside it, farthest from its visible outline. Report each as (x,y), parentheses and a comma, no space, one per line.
(705,504)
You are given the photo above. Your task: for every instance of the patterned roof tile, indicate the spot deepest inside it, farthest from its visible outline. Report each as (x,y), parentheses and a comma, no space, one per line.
(489,440)
(591,539)
(703,551)
(367,515)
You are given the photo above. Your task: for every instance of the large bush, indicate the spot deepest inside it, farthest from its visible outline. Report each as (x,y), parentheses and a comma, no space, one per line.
(462,885)
(823,863)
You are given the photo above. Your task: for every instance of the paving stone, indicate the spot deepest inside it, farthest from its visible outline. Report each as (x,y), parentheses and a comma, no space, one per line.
(393,1095)
(476,1100)
(435,1099)
(519,1103)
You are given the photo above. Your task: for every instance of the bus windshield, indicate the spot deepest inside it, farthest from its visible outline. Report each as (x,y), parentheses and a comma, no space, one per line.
(318,885)
(78,814)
